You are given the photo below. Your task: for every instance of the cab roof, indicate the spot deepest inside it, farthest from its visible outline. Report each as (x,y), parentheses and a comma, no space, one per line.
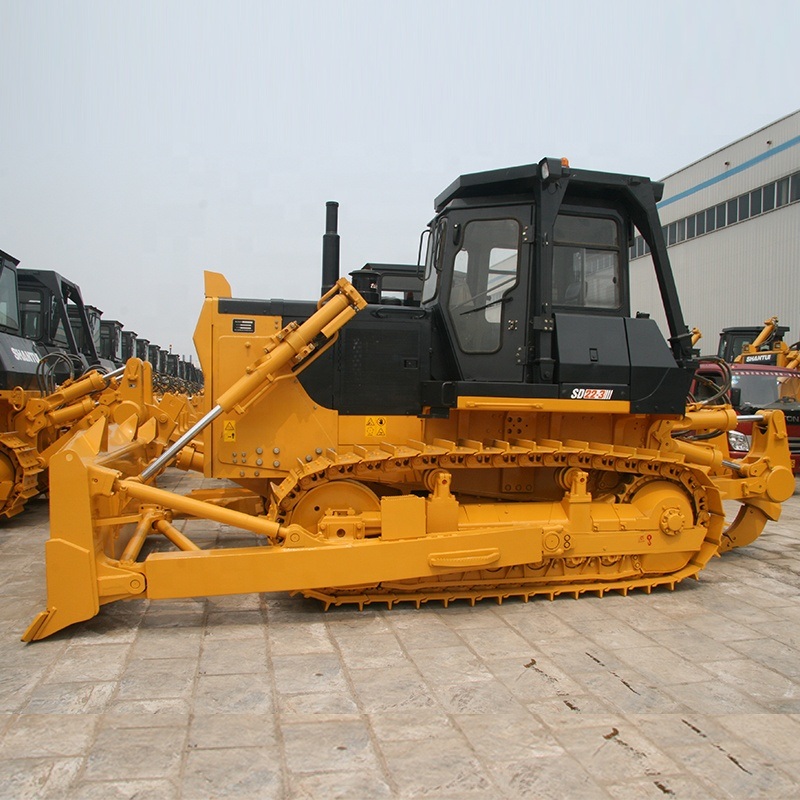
(523,179)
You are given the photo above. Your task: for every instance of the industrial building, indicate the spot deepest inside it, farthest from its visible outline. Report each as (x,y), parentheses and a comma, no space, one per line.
(732,225)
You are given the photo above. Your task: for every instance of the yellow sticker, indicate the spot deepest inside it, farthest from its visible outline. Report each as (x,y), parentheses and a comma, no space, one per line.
(229,431)
(375,426)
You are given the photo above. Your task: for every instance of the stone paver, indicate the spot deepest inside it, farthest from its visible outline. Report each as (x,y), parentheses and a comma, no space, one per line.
(686,694)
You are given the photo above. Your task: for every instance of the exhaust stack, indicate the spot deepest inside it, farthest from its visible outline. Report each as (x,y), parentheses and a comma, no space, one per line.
(330,247)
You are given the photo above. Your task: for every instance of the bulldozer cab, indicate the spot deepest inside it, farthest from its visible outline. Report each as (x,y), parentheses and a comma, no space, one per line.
(111,340)
(527,274)
(128,345)
(389,284)
(733,341)
(18,356)
(54,315)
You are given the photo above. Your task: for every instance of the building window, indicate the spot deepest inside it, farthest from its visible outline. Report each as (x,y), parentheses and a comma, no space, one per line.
(721,215)
(744,207)
(755,202)
(700,223)
(795,193)
(690,228)
(768,197)
(733,211)
(782,192)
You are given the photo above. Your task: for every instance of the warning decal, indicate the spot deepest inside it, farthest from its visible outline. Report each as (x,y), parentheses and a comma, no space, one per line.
(375,426)
(229,431)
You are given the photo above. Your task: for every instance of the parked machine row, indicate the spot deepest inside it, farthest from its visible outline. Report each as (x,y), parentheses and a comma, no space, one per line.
(54,315)
(59,371)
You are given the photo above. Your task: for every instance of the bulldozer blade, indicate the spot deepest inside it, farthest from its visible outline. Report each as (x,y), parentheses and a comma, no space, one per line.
(76,569)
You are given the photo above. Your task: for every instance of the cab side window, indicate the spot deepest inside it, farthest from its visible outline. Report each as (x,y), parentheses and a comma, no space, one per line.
(586,262)
(8,299)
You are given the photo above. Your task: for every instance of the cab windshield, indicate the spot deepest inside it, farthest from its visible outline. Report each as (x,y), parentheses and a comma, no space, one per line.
(761,390)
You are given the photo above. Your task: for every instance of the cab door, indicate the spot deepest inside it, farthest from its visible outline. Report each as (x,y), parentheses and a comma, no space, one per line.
(485,285)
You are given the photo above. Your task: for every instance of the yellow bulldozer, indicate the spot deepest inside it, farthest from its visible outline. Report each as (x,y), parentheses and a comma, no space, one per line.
(497,425)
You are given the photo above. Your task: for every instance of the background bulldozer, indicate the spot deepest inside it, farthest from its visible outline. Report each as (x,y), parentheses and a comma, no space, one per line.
(763,373)
(498,425)
(768,347)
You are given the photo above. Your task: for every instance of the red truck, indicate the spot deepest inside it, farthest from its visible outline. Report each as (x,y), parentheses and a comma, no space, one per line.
(755,387)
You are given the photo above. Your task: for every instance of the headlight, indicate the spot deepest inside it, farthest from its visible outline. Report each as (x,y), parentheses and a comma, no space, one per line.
(739,441)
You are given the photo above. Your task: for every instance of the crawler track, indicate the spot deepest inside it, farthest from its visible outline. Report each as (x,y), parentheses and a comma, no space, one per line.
(622,471)
(21,481)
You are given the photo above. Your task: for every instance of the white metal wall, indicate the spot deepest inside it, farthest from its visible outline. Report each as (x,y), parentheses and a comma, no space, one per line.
(743,273)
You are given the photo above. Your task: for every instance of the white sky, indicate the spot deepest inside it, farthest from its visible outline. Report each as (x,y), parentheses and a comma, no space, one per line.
(143,142)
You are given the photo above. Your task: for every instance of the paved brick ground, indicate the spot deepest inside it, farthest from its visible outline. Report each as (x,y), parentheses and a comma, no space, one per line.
(686,694)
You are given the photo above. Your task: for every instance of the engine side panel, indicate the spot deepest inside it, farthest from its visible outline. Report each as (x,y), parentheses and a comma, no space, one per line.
(658,384)
(377,365)
(18,360)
